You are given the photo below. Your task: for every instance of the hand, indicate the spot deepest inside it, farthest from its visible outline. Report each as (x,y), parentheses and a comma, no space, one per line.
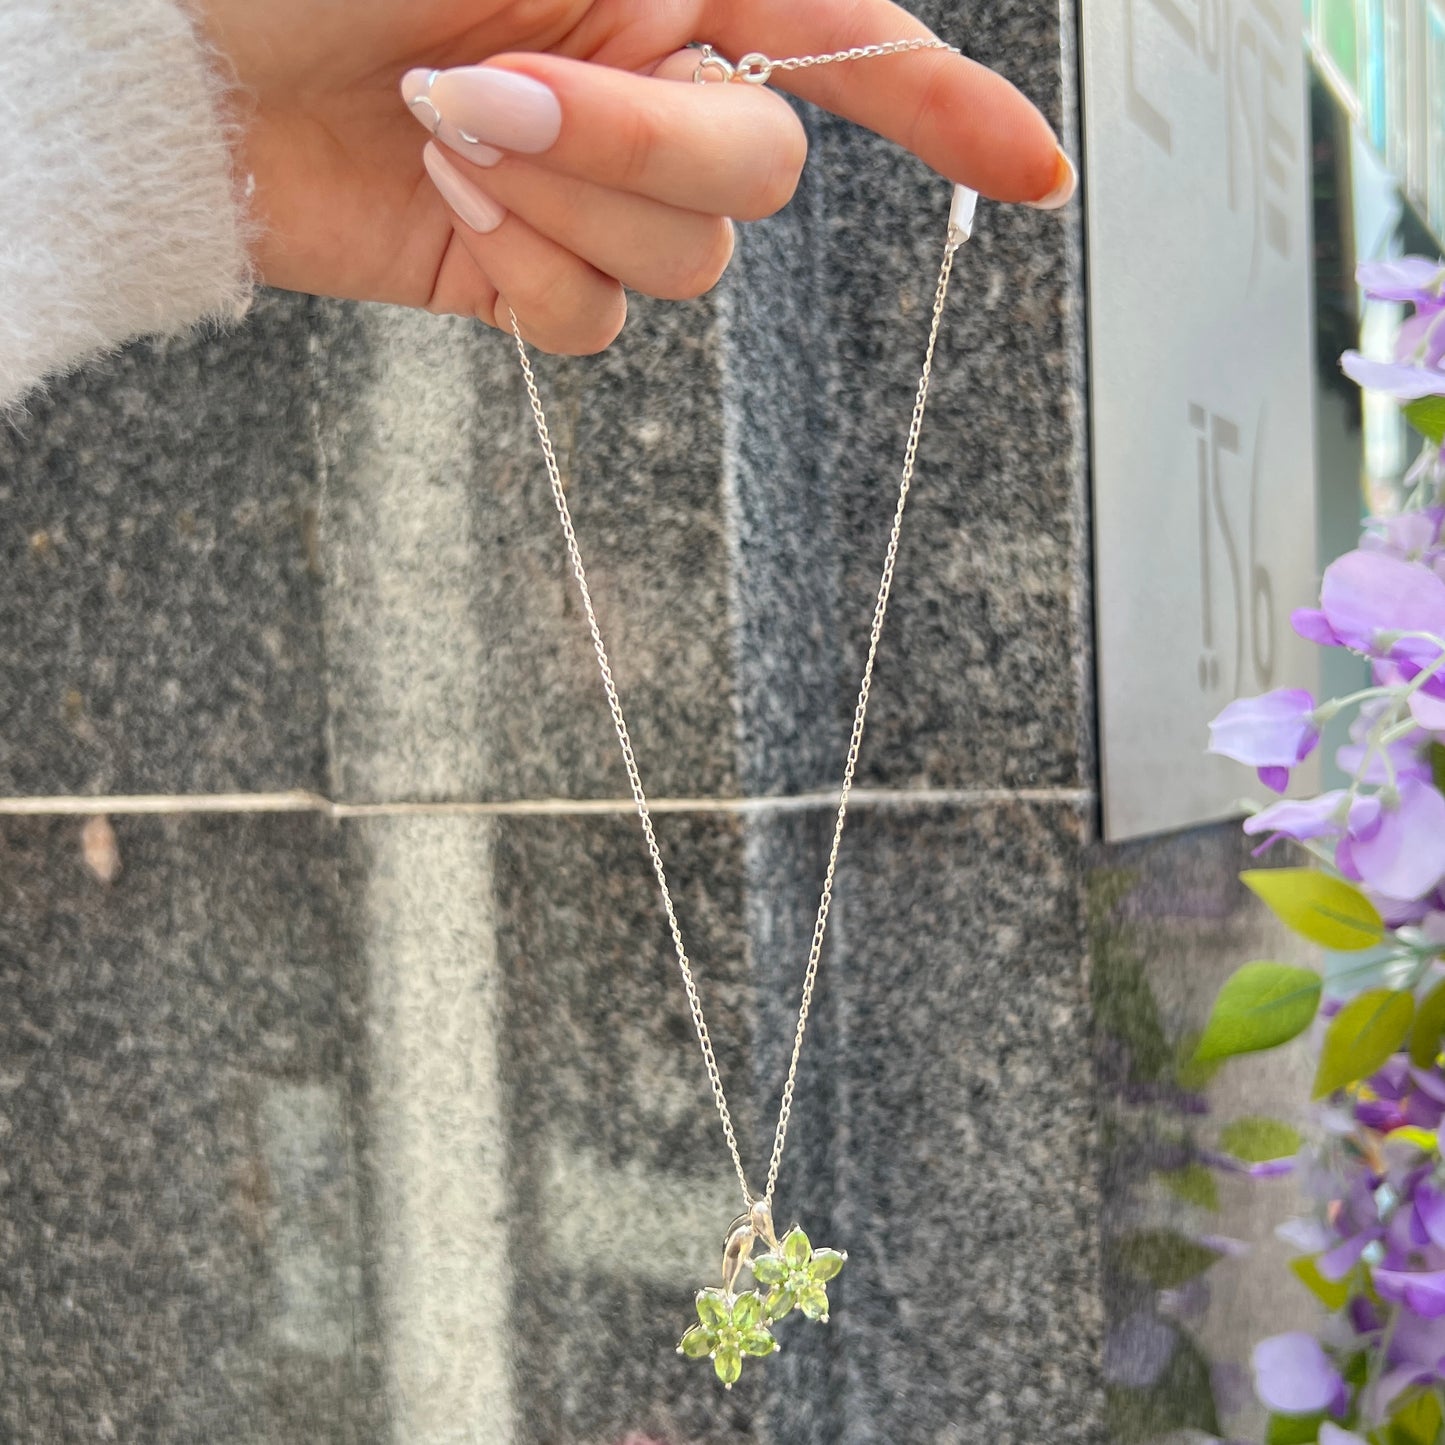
(602,165)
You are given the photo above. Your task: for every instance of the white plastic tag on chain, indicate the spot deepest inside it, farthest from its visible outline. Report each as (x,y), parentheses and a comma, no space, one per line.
(960,216)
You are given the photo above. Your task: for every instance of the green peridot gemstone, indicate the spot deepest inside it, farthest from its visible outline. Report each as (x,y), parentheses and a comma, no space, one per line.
(779,1303)
(813,1301)
(758,1342)
(728,1362)
(712,1307)
(747,1311)
(826,1264)
(797,1251)
(697,1342)
(769,1269)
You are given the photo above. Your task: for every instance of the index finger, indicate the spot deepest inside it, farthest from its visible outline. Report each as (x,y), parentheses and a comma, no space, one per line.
(957,116)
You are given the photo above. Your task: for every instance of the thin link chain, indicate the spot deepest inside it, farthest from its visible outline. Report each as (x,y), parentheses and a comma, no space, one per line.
(863,52)
(757,68)
(885,587)
(614,702)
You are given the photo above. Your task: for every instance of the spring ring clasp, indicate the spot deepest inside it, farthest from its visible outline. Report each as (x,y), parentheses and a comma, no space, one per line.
(753,69)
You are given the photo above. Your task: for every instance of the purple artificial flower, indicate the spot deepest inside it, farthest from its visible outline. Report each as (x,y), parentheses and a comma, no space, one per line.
(1422,1291)
(1271,733)
(1406,758)
(1328,815)
(1422,339)
(1427,701)
(1366,596)
(1404,858)
(1402,278)
(1431,1083)
(1429,1205)
(1419,1342)
(1427,708)
(1335,1264)
(1397,378)
(1312,624)
(1411,536)
(1332,1434)
(1294,1376)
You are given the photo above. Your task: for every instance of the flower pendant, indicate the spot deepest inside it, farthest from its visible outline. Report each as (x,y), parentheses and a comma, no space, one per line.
(792,1275)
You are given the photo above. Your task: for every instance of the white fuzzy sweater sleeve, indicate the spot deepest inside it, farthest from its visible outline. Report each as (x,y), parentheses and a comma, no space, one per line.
(119,215)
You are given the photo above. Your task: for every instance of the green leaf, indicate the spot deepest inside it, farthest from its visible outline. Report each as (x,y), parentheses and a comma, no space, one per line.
(813,1301)
(697,1342)
(1192,1074)
(1182,1398)
(1163,1258)
(747,1311)
(779,1303)
(1194,1184)
(1261,1005)
(1427,1141)
(1125,1008)
(712,1307)
(1361,1037)
(769,1269)
(1429,1025)
(757,1342)
(1126,1014)
(1256,1140)
(1325,910)
(728,1362)
(1294,1429)
(1332,1294)
(797,1251)
(1418,1421)
(1436,753)
(827,1263)
(1427,415)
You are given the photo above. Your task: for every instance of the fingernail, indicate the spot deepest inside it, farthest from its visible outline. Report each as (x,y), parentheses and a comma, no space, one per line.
(416,92)
(472,204)
(1066,182)
(498,108)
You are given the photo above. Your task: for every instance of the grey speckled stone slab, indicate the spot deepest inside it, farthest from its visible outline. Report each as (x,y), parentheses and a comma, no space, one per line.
(160,615)
(966,1173)
(459,664)
(396,1128)
(548,1154)
(981,679)
(179,1202)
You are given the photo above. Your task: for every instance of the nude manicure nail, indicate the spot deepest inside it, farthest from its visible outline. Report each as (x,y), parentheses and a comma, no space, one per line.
(416,92)
(1066,182)
(498,108)
(477,209)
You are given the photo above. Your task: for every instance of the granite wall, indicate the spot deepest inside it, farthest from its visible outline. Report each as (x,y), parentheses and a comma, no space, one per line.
(347,1088)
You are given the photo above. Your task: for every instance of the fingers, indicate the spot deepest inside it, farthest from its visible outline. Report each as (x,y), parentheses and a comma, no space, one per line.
(957,116)
(733,150)
(566,188)
(646,246)
(563,304)
(650,247)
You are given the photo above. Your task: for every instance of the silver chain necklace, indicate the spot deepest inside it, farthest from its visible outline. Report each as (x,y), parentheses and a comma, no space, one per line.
(791,1274)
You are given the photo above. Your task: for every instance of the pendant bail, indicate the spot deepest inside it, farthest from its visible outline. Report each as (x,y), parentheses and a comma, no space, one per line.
(760,1217)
